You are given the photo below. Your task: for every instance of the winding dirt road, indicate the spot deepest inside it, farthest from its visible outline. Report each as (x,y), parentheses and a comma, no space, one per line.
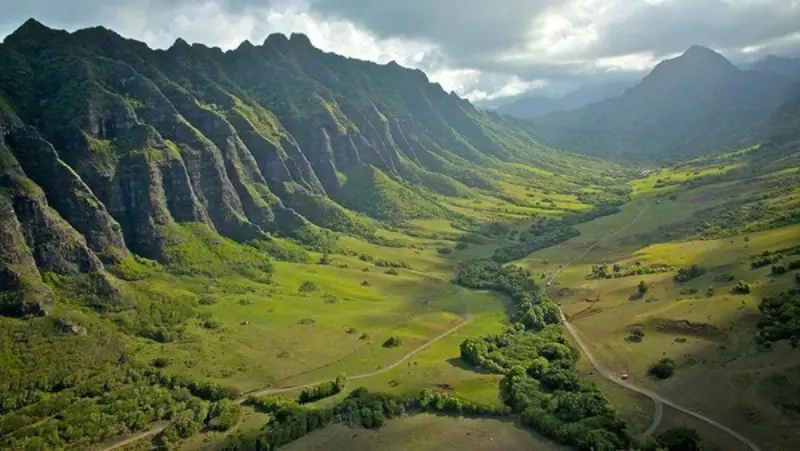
(274,391)
(658,400)
(412,353)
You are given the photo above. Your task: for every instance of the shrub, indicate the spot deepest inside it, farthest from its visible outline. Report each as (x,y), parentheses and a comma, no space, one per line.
(308,287)
(741,287)
(686,274)
(725,277)
(392,342)
(224,415)
(323,390)
(664,369)
(680,438)
(642,288)
(392,272)
(444,250)
(325,260)
(461,245)
(207,301)
(779,269)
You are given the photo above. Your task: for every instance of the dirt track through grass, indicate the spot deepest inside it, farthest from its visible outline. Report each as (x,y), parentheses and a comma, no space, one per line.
(658,400)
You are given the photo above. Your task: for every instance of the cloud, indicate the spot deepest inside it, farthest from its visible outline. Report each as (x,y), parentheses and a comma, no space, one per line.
(482,50)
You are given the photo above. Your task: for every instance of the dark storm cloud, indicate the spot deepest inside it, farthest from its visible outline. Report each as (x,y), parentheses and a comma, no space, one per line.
(473,35)
(457,26)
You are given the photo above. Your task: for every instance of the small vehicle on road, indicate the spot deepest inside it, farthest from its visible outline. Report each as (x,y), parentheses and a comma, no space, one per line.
(624,376)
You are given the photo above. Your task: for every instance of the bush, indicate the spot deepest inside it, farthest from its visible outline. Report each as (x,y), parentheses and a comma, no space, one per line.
(779,269)
(207,301)
(725,277)
(392,272)
(680,438)
(307,287)
(323,390)
(325,260)
(664,369)
(444,250)
(686,274)
(461,245)
(224,415)
(392,342)
(642,288)
(741,287)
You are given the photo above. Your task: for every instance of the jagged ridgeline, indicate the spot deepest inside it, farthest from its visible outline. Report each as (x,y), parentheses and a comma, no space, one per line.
(108,147)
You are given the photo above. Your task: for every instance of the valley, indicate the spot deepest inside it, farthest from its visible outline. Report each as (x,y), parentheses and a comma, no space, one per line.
(275,246)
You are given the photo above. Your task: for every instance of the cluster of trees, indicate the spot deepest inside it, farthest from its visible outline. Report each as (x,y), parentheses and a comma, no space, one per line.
(381,263)
(533,311)
(781,318)
(602,272)
(117,402)
(767,258)
(687,274)
(533,240)
(323,390)
(361,408)
(542,385)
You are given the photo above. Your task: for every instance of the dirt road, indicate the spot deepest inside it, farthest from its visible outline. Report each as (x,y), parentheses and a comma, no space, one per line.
(658,400)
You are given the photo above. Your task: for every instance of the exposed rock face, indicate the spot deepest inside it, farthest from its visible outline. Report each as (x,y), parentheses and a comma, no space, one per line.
(107,145)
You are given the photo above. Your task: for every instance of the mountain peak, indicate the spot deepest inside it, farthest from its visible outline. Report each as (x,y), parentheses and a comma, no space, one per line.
(31,29)
(301,40)
(698,54)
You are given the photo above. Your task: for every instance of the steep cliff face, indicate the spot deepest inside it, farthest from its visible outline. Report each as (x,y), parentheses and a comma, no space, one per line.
(107,144)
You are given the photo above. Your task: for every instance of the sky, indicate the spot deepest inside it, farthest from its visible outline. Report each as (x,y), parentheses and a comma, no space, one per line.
(484,50)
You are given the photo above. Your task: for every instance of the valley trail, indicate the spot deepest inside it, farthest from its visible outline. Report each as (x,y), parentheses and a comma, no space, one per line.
(412,353)
(272,391)
(658,400)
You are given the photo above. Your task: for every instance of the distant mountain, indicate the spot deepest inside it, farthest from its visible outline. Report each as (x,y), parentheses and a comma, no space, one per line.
(693,104)
(538,105)
(788,67)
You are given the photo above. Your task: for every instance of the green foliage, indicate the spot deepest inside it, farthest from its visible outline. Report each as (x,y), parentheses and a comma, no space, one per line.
(741,287)
(224,415)
(536,239)
(642,288)
(540,380)
(680,438)
(725,278)
(687,274)
(322,390)
(392,342)
(370,191)
(779,269)
(663,369)
(360,408)
(781,318)
(307,287)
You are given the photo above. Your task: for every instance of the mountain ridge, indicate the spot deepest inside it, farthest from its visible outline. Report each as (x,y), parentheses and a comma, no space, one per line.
(696,103)
(120,144)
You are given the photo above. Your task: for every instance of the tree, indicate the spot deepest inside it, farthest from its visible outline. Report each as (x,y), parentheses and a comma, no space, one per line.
(664,369)
(391,342)
(680,438)
(643,287)
(308,287)
(741,288)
